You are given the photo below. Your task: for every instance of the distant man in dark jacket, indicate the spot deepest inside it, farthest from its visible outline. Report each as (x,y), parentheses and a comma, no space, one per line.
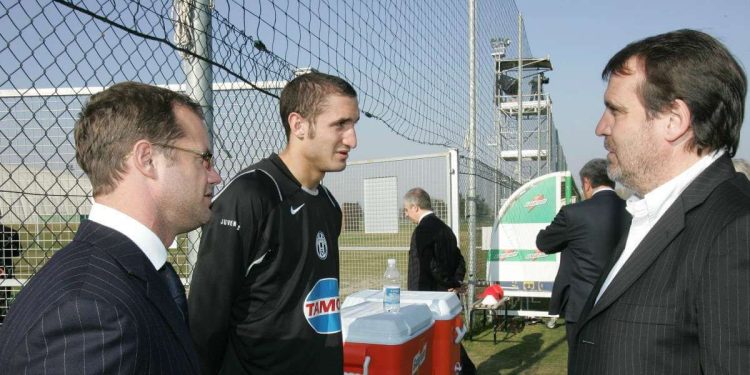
(586,233)
(9,248)
(435,261)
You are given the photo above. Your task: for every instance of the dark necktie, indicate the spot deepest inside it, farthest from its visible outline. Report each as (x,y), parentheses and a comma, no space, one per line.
(176,289)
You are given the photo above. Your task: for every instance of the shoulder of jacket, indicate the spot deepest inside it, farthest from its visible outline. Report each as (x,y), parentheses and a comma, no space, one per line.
(330,196)
(252,180)
(730,199)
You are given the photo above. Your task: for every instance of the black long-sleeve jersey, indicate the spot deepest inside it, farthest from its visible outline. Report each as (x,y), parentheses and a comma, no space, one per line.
(264,297)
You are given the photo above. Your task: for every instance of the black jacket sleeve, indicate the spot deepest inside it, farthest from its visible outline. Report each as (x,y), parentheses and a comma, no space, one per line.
(554,238)
(446,264)
(227,249)
(438,244)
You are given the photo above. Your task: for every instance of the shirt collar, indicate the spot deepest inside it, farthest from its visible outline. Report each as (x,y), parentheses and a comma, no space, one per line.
(656,202)
(144,238)
(601,188)
(426,212)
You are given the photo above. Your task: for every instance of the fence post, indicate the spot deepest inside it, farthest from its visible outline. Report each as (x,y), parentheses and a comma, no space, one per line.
(193,31)
(471,196)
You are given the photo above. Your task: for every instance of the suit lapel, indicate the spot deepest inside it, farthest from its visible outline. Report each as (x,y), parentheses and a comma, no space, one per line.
(658,238)
(137,265)
(620,245)
(655,242)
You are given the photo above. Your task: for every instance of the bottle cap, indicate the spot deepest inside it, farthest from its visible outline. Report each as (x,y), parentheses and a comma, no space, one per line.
(391,262)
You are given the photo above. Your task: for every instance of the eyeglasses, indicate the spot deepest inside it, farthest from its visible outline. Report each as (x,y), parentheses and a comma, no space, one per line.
(207,156)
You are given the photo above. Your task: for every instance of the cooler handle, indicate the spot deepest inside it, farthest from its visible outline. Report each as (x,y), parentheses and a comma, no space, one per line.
(460,332)
(365,365)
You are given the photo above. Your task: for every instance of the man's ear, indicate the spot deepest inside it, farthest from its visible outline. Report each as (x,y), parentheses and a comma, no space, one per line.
(143,158)
(680,121)
(585,183)
(297,127)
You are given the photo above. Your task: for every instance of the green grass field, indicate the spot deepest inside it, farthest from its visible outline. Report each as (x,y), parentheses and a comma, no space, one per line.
(536,349)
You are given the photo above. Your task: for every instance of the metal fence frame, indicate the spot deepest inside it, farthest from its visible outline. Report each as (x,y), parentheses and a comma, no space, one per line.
(407,61)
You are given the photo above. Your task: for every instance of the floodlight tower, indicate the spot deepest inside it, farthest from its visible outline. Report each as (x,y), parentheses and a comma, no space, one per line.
(499,48)
(523,115)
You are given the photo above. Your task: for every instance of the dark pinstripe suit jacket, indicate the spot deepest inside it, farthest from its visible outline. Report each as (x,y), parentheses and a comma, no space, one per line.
(97,307)
(681,303)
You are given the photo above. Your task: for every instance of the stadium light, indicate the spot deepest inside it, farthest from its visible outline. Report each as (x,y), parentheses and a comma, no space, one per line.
(499,45)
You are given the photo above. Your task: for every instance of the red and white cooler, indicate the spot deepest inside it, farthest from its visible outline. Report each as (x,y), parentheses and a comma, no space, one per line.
(449,328)
(377,342)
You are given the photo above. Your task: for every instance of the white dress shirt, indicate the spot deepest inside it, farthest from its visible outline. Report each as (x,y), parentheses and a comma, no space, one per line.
(648,210)
(144,238)
(601,188)
(425,213)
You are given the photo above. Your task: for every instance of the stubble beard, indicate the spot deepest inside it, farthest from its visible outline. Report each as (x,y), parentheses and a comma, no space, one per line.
(638,171)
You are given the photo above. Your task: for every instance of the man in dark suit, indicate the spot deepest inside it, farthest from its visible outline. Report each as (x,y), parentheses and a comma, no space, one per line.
(435,261)
(109,303)
(10,247)
(674,298)
(586,233)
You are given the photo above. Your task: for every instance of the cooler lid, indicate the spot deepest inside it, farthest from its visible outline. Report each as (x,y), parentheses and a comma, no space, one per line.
(363,296)
(443,305)
(366,323)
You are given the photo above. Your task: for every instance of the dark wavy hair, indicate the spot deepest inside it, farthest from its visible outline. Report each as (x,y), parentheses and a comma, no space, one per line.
(695,67)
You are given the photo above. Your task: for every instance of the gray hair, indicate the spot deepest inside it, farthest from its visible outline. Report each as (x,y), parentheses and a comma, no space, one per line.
(596,171)
(418,197)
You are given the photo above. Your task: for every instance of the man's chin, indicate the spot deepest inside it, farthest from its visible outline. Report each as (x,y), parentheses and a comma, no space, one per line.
(337,167)
(614,173)
(203,219)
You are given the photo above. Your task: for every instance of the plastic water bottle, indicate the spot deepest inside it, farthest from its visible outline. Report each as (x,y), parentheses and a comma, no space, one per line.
(391,288)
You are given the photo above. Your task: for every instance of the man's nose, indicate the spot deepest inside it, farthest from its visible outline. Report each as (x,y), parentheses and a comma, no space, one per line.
(350,138)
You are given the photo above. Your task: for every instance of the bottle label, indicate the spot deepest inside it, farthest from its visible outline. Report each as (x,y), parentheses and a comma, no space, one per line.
(391,298)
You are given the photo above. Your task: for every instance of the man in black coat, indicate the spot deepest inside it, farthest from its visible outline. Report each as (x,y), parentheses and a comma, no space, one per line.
(585,233)
(435,261)
(110,302)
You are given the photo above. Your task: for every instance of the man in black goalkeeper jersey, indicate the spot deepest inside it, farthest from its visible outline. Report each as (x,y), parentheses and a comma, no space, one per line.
(264,297)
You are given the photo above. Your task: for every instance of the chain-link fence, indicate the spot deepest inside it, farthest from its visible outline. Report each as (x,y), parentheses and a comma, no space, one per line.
(408,61)
(374,226)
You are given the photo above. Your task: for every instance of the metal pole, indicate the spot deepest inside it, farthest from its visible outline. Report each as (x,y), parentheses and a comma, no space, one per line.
(198,73)
(471,196)
(497,167)
(539,126)
(549,139)
(199,79)
(454,199)
(520,102)
(496,117)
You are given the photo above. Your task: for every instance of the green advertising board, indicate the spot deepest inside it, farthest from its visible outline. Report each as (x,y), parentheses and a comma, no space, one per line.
(513,259)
